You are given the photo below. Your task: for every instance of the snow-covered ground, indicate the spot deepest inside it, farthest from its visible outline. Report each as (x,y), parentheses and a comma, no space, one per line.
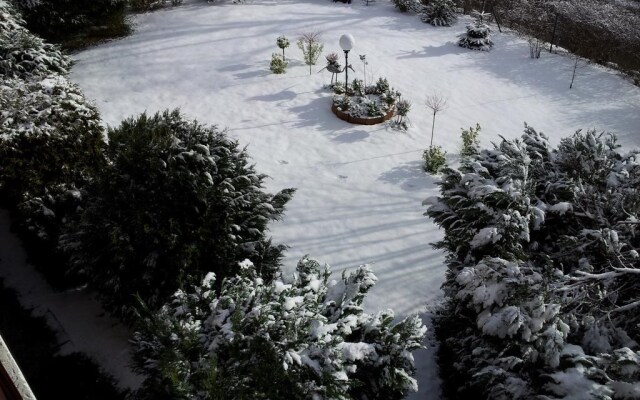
(360,188)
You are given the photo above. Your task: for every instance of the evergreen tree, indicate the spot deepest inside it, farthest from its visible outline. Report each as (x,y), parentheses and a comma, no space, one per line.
(478,35)
(50,139)
(542,281)
(176,200)
(75,21)
(23,54)
(300,338)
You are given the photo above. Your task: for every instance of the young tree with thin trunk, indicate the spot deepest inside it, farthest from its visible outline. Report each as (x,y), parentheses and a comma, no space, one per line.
(435,103)
(311,46)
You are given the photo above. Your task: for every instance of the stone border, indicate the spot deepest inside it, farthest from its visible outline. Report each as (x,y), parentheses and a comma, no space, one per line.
(362,121)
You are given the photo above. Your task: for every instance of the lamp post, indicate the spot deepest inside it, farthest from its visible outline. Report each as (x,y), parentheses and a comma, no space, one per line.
(346,43)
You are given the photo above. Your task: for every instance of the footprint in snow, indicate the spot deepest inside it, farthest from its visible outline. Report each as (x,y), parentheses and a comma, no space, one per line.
(342,176)
(283,162)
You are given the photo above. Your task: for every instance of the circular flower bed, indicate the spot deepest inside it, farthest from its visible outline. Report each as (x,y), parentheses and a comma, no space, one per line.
(368,105)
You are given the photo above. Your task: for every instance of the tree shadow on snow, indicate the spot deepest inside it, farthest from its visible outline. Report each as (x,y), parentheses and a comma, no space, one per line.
(598,95)
(409,177)
(351,137)
(449,48)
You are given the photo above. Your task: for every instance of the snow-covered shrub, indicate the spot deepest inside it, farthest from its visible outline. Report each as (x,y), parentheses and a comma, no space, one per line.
(357,86)
(177,199)
(542,285)
(439,13)
(278,64)
(477,37)
(434,159)
(23,54)
(50,142)
(306,337)
(402,110)
(382,85)
(470,142)
(74,21)
(408,5)
(338,88)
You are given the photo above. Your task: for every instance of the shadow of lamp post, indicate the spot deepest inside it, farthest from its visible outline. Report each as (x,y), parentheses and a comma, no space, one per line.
(346,43)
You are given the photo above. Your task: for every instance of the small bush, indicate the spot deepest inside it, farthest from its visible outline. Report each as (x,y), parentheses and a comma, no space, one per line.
(402,110)
(470,142)
(439,13)
(278,64)
(344,103)
(305,337)
(434,159)
(407,5)
(338,88)
(373,109)
(176,200)
(357,87)
(382,86)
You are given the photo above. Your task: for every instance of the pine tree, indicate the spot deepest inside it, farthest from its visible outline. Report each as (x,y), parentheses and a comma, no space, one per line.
(298,338)
(478,35)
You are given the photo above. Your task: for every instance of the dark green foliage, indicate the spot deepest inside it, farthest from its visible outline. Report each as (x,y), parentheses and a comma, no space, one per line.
(297,338)
(407,5)
(53,157)
(278,64)
(34,346)
(439,13)
(62,139)
(149,5)
(177,199)
(23,54)
(75,23)
(470,142)
(477,37)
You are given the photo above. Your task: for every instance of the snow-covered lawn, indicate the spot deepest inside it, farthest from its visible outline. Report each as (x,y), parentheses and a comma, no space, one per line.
(360,188)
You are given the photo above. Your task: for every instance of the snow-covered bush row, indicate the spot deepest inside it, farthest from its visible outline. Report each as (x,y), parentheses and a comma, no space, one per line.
(50,135)
(306,337)
(176,200)
(543,281)
(23,54)
(74,22)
